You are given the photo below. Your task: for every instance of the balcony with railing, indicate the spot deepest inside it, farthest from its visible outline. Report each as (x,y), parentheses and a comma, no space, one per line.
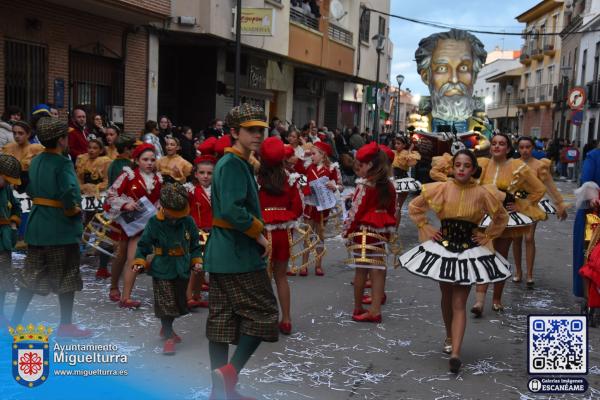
(548,43)
(530,94)
(340,34)
(301,18)
(525,57)
(537,53)
(544,93)
(504,107)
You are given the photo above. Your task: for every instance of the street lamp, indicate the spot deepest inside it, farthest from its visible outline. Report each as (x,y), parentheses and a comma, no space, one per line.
(399,79)
(379,45)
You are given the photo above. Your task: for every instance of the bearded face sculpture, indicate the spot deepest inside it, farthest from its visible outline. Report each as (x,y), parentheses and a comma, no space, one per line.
(448,63)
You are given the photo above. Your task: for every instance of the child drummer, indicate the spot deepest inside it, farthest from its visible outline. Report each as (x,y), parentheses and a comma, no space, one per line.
(172,237)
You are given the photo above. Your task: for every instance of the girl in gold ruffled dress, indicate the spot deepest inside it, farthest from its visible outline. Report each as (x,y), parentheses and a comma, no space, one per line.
(542,170)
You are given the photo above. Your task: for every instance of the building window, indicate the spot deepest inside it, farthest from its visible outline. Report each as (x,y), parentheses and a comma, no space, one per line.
(365,25)
(381,29)
(25,74)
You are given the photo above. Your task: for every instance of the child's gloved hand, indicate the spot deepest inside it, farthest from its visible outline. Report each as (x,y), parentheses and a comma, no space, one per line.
(197,268)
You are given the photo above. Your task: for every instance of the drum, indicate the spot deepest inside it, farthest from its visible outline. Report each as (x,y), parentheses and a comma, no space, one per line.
(97,234)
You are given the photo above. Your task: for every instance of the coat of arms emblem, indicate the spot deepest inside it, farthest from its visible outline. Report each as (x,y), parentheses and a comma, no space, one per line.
(30,354)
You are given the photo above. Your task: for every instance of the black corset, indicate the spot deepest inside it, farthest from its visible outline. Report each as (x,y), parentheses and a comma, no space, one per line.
(510,198)
(400,173)
(457,235)
(87,178)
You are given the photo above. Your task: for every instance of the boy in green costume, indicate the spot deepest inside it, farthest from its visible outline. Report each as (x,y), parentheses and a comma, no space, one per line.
(242,307)
(10,218)
(54,229)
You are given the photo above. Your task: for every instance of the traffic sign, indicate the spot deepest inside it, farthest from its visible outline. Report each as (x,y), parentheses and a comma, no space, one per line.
(576,98)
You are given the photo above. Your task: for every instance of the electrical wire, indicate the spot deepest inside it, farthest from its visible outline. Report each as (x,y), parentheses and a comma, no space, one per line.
(483,32)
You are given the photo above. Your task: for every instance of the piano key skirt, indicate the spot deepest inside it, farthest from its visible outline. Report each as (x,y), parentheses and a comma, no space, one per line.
(518,224)
(456,258)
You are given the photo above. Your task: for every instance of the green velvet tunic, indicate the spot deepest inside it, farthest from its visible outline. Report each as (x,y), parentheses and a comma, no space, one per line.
(52,176)
(234,199)
(169,234)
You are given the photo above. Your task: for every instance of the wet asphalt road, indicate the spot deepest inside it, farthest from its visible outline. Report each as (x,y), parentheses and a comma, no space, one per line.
(329,356)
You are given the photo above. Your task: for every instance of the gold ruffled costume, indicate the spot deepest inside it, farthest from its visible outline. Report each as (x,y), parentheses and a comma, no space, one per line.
(174,166)
(96,169)
(542,170)
(23,153)
(405,159)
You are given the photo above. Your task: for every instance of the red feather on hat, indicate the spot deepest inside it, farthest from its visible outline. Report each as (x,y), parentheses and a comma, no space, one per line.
(324,147)
(388,152)
(222,143)
(208,146)
(142,148)
(205,158)
(272,151)
(367,152)
(289,151)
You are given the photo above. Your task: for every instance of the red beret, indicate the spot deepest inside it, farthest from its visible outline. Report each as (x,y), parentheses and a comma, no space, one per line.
(324,147)
(205,158)
(367,152)
(221,144)
(388,152)
(289,151)
(142,148)
(272,151)
(208,146)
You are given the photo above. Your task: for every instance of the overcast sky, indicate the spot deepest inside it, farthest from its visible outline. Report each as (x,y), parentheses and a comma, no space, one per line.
(466,14)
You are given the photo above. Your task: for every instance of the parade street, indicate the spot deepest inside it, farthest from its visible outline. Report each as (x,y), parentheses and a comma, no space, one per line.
(329,356)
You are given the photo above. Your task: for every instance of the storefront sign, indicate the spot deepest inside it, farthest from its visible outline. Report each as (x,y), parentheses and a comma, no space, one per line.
(257,21)
(353,92)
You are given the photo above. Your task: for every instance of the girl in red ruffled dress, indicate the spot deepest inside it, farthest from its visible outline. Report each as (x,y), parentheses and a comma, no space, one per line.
(321,167)
(371,220)
(123,196)
(281,208)
(201,213)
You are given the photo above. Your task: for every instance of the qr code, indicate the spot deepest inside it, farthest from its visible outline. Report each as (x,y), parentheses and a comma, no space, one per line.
(557,344)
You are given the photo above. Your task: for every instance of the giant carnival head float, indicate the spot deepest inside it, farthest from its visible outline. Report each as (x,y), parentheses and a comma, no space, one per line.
(448,63)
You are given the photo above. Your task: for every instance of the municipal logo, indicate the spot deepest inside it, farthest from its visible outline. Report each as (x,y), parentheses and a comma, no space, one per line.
(30,354)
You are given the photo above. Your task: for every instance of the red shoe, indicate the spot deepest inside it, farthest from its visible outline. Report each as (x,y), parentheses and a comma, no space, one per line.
(193,303)
(73,331)
(358,311)
(175,337)
(224,381)
(285,328)
(291,273)
(114,295)
(367,299)
(367,317)
(204,287)
(319,272)
(102,273)
(128,303)
(303,272)
(169,347)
